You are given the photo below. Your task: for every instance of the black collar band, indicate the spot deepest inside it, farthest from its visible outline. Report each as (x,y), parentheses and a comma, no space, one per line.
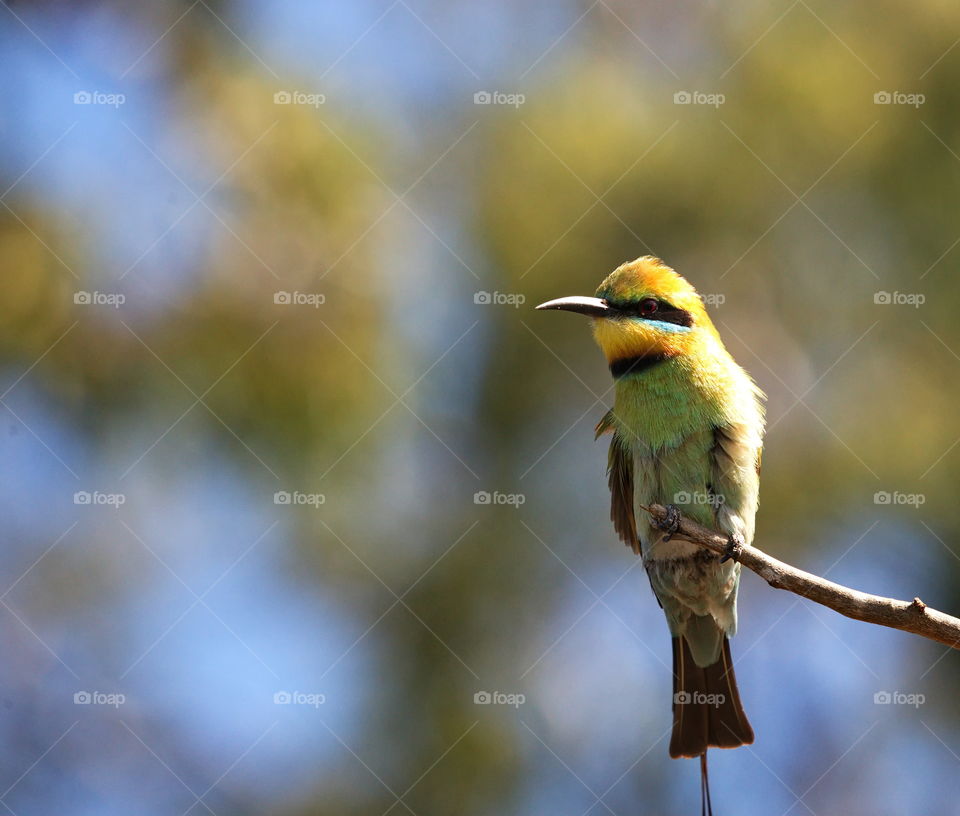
(635,365)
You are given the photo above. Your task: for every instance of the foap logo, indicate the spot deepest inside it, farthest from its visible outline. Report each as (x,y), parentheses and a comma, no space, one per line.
(303,698)
(99,698)
(915,299)
(499,698)
(698,698)
(899,698)
(511,499)
(714,100)
(314,299)
(699,497)
(513,100)
(896,497)
(715,299)
(314,100)
(113,500)
(914,100)
(514,299)
(298,498)
(115,299)
(98,98)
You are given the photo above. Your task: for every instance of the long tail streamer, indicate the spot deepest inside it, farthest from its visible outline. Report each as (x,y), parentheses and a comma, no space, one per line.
(705,808)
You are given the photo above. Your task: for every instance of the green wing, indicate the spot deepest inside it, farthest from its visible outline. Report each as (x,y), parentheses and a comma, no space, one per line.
(620,479)
(735,475)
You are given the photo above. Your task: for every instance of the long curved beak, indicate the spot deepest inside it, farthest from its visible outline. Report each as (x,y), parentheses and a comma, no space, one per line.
(595,307)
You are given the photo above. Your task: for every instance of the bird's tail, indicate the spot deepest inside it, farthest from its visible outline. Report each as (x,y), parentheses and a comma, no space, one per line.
(707,711)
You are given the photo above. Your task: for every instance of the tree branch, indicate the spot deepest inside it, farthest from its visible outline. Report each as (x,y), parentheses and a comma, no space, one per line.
(910,616)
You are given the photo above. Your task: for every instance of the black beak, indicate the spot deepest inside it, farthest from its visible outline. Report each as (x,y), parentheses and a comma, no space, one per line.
(594,307)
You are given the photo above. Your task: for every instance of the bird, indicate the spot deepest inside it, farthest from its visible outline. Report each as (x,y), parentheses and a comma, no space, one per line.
(687,429)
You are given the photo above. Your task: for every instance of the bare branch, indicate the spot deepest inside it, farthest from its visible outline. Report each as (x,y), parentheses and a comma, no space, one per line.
(910,616)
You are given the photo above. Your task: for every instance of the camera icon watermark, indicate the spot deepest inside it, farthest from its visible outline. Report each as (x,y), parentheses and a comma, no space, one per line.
(513,100)
(499,698)
(714,100)
(99,698)
(296,498)
(699,698)
(514,299)
(303,698)
(899,698)
(699,497)
(114,299)
(99,98)
(114,500)
(915,299)
(314,100)
(496,497)
(898,498)
(914,100)
(314,299)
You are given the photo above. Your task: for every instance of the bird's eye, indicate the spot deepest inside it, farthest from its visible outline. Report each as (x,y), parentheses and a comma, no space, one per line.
(648,306)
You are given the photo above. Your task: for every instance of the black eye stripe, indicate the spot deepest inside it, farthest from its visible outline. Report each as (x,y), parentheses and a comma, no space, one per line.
(665,313)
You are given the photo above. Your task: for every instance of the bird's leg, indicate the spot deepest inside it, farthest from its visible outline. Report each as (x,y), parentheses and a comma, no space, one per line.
(734,548)
(670,523)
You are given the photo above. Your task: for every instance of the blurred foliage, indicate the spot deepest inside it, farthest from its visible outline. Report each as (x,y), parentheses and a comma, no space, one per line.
(597,167)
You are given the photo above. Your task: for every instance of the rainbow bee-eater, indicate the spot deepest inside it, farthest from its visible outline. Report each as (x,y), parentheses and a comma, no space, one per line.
(687,425)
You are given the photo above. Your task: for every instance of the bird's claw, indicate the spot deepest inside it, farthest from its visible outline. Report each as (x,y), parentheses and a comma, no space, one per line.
(670,523)
(734,548)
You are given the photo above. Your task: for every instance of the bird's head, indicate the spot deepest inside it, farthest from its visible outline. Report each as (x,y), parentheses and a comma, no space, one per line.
(643,310)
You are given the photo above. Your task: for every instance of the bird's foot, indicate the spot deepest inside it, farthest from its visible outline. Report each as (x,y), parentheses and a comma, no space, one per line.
(670,523)
(734,548)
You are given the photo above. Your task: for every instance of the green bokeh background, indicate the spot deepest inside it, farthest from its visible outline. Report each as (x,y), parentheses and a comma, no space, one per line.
(799,203)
